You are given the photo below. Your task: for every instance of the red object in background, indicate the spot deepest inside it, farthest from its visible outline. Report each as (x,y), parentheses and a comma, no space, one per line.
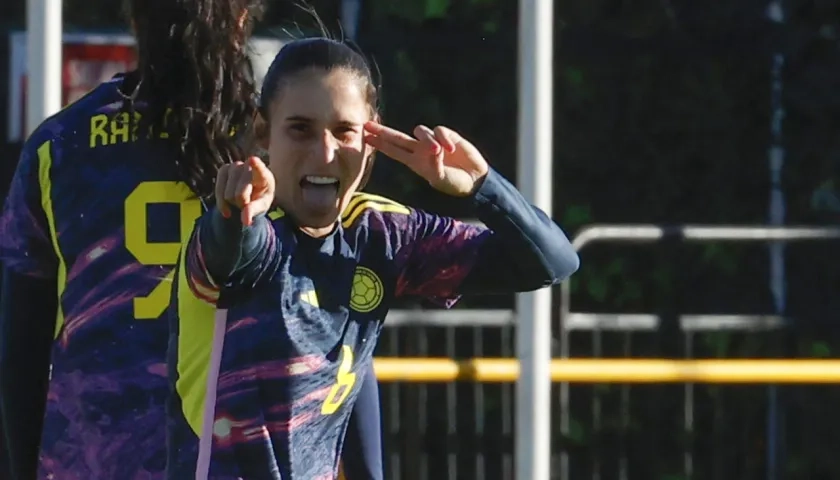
(88,60)
(86,66)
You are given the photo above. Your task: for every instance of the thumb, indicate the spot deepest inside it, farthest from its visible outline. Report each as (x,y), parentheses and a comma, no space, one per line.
(254,209)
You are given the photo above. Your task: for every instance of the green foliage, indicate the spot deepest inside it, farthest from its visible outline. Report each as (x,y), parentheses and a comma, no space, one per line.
(662,116)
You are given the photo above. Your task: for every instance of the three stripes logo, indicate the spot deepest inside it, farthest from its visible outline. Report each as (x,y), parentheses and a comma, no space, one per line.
(362,202)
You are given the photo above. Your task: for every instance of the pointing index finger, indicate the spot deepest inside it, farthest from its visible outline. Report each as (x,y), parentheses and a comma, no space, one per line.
(259,171)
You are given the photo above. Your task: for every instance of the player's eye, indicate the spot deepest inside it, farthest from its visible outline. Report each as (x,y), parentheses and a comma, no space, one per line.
(345,133)
(299,129)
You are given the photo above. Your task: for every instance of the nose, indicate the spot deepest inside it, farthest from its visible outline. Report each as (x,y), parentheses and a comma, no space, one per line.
(327,148)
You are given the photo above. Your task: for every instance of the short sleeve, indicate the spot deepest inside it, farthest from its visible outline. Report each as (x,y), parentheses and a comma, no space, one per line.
(435,256)
(25,240)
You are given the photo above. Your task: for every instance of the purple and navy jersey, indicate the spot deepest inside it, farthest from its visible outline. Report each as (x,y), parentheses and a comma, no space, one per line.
(265,379)
(99,210)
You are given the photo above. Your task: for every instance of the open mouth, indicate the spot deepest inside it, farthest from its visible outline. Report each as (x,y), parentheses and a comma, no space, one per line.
(319,192)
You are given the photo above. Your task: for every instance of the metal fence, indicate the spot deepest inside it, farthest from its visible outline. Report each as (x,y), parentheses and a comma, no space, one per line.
(464,430)
(449,430)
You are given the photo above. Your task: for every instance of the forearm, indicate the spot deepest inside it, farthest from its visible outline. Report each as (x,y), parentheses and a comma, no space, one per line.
(526,250)
(27,317)
(228,249)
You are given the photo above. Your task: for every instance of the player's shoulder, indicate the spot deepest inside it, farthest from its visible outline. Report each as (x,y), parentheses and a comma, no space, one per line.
(364,208)
(73,123)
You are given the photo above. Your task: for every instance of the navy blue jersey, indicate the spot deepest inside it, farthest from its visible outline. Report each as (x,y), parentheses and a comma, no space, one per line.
(266,366)
(5,468)
(100,212)
(361,458)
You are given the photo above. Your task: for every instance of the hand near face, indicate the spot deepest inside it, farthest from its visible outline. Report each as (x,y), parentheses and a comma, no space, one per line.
(443,158)
(248,186)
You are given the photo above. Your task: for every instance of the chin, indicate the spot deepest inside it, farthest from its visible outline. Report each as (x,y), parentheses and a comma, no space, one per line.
(319,219)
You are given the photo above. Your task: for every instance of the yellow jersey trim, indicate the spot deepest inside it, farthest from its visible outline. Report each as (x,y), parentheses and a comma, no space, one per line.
(45,180)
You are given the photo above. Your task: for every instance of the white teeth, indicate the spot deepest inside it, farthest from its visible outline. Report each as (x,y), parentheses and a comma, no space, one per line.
(321,180)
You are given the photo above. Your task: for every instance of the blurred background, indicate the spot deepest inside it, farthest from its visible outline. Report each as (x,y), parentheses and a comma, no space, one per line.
(667,112)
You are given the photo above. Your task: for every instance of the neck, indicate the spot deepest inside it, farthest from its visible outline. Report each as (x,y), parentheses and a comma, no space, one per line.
(318,232)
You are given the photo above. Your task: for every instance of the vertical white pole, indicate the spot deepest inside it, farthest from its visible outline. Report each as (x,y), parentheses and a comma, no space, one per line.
(533,342)
(350,12)
(43,47)
(776,217)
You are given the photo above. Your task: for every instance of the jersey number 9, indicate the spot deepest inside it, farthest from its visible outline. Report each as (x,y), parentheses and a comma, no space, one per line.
(344,382)
(155,303)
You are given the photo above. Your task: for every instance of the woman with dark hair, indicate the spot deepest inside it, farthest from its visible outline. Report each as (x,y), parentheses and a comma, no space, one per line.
(91,232)
(284,285)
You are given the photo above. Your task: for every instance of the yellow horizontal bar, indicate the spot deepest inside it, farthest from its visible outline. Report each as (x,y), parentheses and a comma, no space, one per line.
(496,370)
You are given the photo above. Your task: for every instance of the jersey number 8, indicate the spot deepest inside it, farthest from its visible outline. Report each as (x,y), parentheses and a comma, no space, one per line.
(344,382)
(155,303)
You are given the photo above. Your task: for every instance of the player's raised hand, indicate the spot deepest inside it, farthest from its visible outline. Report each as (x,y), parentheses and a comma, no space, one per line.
(248,186)
(441,156)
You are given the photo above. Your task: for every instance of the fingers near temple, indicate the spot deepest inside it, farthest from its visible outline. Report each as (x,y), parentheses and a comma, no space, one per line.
(389,135)
(446,137)
(427,139)
(389,149)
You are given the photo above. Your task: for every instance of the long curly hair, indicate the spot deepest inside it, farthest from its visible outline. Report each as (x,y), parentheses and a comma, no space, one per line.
(195,79)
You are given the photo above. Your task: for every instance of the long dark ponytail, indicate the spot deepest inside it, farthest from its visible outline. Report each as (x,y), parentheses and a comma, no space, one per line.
(195,78)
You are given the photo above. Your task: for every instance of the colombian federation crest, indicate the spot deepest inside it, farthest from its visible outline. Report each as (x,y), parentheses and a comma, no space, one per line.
(367,291)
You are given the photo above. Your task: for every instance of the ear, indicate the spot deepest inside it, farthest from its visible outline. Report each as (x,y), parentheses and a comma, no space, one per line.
(370,150)
(262,132)
(369,161)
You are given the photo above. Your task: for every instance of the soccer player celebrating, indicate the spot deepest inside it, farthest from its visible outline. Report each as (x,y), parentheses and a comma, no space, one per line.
(284,285)
(91,232)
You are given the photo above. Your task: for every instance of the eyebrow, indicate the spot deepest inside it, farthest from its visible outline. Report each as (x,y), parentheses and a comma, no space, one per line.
(301,118)
(298,118)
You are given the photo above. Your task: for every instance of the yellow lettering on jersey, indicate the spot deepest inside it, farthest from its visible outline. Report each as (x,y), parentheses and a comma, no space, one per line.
(153,305)
(158,253)
(119,128)
(107,130)
(344,382)
(98,132)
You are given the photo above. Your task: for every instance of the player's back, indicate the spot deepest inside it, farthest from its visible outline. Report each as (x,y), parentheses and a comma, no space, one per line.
(113,211)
